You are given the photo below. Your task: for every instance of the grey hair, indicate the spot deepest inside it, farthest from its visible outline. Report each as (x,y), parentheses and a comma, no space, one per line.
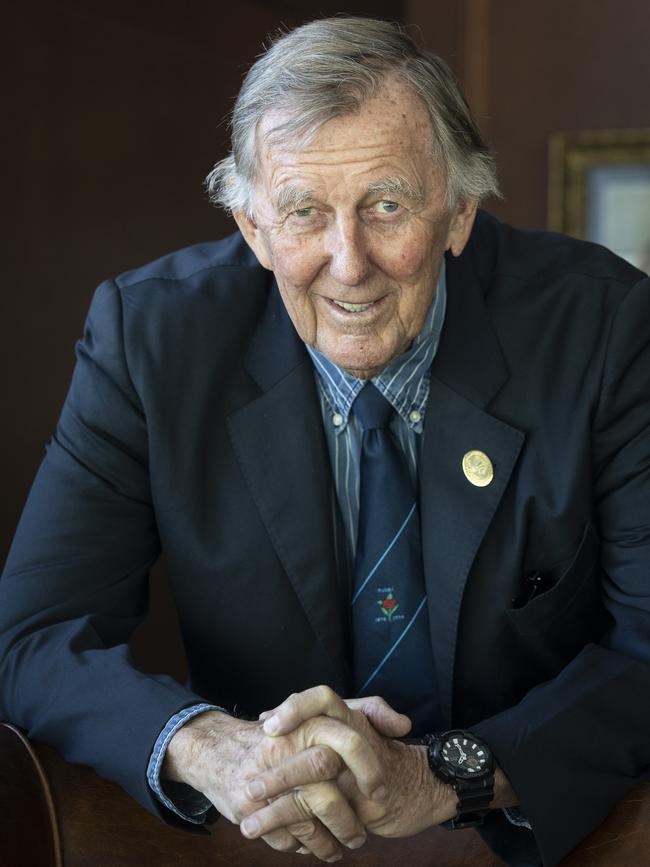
(328,68)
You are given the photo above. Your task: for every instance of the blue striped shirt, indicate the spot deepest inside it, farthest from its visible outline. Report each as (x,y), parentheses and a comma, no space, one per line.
(404,383)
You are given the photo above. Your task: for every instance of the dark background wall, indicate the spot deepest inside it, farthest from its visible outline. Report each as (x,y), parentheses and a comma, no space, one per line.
(111,119)
(531,67)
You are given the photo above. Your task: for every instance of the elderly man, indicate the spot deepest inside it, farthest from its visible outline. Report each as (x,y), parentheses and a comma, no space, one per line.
(398,458)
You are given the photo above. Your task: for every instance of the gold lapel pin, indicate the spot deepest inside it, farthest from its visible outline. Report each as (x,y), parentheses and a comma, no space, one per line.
(478,468)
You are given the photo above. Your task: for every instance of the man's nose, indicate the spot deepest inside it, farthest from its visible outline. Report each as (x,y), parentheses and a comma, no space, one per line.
(349,263)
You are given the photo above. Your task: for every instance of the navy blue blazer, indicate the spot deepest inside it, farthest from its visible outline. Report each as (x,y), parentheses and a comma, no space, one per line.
(192,425)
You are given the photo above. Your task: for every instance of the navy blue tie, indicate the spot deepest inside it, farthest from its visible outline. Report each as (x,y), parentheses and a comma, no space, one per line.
(392,648)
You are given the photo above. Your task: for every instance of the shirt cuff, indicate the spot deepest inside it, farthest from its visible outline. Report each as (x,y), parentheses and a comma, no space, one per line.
(183,800)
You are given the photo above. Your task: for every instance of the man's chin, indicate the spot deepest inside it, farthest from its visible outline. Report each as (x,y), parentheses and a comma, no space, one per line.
(359,366)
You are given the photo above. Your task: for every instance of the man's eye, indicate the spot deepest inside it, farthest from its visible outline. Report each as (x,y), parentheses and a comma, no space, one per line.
(303,212)
(387,207)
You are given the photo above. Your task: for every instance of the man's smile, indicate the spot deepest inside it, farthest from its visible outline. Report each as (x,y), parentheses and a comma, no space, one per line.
(354,309)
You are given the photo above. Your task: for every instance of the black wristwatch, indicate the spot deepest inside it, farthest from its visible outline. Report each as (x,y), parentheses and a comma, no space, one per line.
(466,763)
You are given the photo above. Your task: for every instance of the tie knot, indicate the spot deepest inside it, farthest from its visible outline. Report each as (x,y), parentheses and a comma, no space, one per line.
(371,408)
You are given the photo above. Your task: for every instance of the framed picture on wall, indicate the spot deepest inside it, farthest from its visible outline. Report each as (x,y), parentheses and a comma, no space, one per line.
(599,189)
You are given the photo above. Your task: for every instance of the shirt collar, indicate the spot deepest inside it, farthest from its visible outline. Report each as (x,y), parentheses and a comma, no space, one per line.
(404,382)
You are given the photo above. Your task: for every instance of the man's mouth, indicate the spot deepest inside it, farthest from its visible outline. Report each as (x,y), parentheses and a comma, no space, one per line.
(349,307)
(353,308)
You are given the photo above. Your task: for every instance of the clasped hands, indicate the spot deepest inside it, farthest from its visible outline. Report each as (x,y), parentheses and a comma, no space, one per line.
(314,774)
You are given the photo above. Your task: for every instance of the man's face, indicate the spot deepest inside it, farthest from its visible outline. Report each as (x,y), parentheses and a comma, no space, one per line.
(354,226)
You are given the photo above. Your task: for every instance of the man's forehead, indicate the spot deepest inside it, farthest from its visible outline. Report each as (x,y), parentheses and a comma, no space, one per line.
(352,153)
(395,113)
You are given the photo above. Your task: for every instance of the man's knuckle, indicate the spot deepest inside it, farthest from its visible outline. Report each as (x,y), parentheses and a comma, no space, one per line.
(304,830)
(326,694)
(356,743)
(324,762)
(276,752)
(326,806)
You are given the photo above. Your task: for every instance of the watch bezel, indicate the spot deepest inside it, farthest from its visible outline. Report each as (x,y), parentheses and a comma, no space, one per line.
(474,745)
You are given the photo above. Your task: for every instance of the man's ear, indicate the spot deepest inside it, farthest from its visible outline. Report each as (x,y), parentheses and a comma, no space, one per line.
(461,225)
(253,237)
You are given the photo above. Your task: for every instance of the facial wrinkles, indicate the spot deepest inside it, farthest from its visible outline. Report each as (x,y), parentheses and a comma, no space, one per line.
(345,249)
(343,193)
(325,178)
(299,263)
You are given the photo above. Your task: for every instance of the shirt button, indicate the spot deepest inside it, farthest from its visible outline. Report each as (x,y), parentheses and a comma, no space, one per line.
(337,419)
(415,416)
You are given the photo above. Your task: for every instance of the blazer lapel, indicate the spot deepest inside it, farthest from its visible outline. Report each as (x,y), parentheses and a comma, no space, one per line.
(455,514)
(280,444)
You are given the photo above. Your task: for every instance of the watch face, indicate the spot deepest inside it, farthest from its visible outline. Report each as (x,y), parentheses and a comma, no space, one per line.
(467,757)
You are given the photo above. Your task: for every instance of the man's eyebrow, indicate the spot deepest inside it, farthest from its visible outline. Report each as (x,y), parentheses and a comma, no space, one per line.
(396,186)
(291,198)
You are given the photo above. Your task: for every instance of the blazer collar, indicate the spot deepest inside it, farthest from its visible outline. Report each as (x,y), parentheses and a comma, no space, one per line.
(275,349)
(469,358)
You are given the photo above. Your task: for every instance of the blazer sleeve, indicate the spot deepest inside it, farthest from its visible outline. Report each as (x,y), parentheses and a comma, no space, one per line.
(75,584)
(577,744)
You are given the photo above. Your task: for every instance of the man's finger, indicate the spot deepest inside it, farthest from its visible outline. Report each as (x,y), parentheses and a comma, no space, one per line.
(313,833)
(317,840)
(303,827)
(323,701)
(298,810)
(301,706)
(387,721)
(357,752)
(282,840)
(313,765)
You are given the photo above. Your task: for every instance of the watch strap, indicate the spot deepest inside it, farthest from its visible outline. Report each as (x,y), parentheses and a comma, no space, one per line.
(473,802)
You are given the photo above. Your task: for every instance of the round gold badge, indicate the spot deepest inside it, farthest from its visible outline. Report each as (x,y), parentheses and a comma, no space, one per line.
(478,468)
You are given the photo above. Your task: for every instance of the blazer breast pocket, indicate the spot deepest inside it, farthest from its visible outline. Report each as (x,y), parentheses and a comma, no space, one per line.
(575,597)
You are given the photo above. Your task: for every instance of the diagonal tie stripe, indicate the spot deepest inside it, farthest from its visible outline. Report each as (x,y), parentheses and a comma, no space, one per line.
(385,554)
(393,648)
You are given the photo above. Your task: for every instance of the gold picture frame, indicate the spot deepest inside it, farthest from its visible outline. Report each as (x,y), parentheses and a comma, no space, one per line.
(599,189)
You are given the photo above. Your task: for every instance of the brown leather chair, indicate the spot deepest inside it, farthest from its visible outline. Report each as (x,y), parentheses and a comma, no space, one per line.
(53,814)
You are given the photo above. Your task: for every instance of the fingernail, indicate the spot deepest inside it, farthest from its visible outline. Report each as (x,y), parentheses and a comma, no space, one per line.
(271,725)
(250,826)
(379,793)
(303,851)
(256,790)
(357,843)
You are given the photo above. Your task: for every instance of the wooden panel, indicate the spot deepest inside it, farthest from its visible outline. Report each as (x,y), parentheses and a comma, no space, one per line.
(531,68)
